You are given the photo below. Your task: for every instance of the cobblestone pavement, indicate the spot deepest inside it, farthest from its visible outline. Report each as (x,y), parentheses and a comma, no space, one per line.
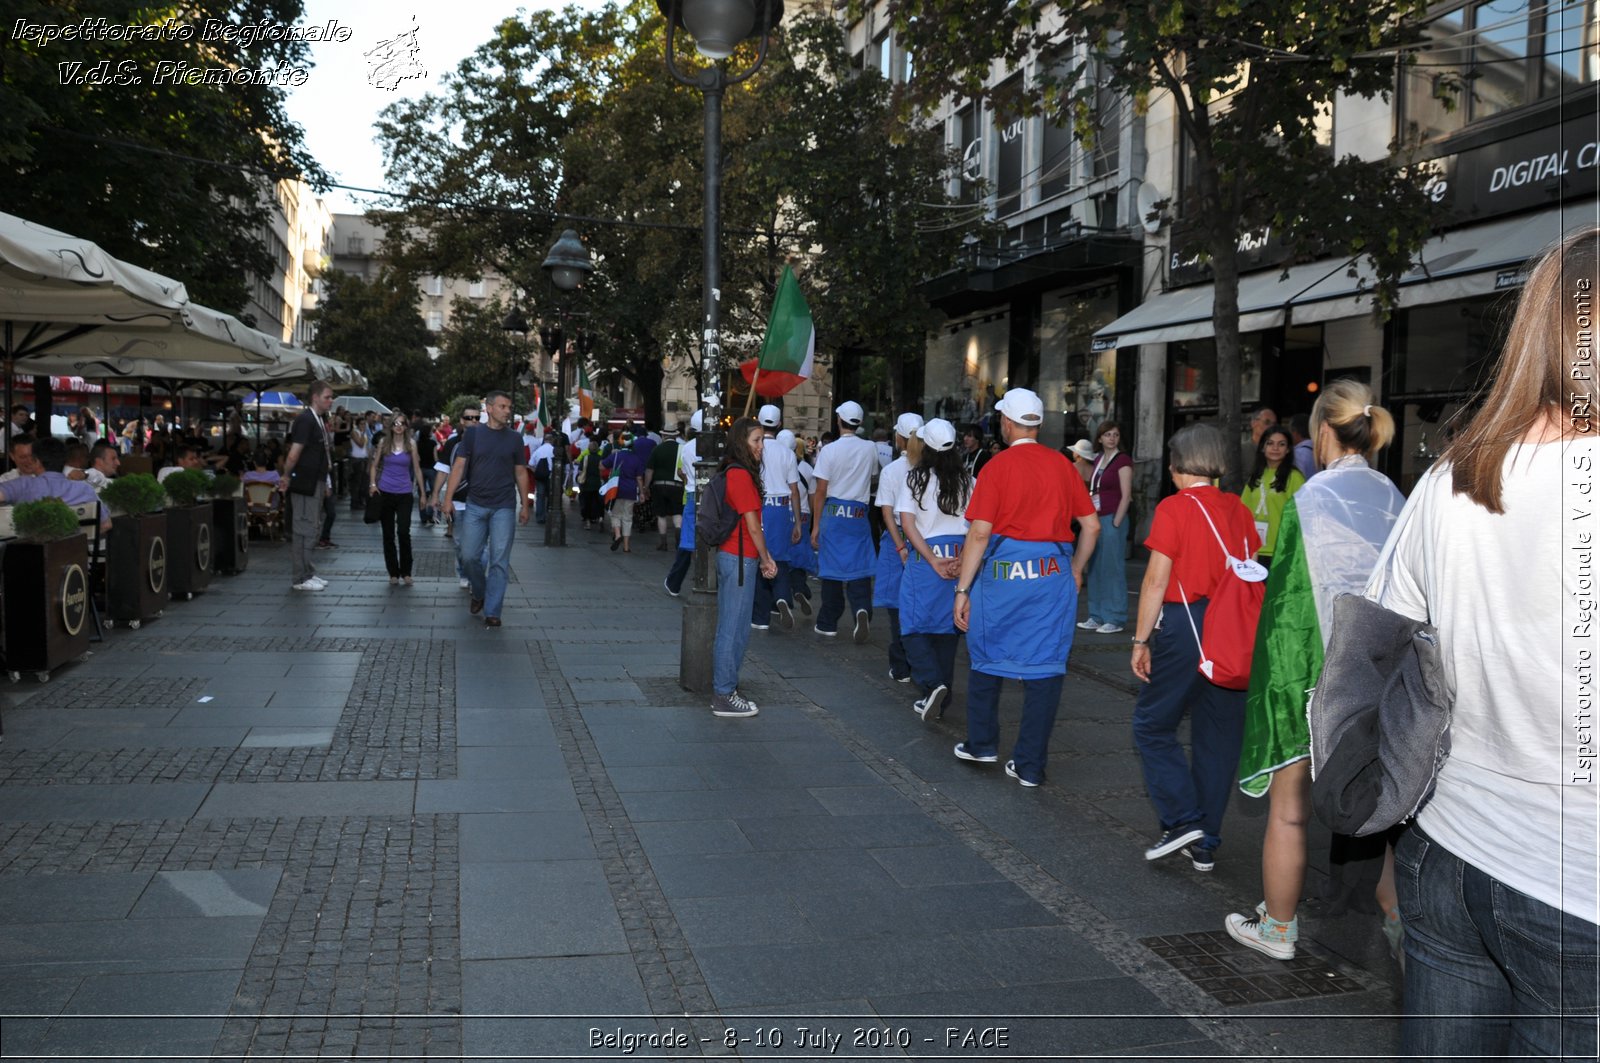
(358,824)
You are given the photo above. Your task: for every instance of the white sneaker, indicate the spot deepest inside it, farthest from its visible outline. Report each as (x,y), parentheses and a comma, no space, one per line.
(306,585)
(465,583)
(1249,932)
(1109,628)
(861,632)
(319,581)
(1090,624)
(760,627)
(929,707)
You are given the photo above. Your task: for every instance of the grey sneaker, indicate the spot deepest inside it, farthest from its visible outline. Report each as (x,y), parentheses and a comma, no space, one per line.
(785,615)
(733,705)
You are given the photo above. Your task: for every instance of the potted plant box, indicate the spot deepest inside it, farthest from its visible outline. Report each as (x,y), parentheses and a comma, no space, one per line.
(136,550)
(46,573)
(230,525)
(190,548)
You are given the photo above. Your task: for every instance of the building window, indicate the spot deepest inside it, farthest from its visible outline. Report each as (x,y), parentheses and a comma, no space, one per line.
(1105,156)
(970,146)
(1008,134)
(435,320)
(884,47)
(1494,56)
(476,289)
(355,245)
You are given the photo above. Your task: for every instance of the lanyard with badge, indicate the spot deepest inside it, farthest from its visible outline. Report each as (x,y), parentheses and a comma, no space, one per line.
(1094,480)
(1263,520)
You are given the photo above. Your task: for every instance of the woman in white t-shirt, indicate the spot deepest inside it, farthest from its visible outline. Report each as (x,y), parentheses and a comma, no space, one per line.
(1497,875)
(931,504)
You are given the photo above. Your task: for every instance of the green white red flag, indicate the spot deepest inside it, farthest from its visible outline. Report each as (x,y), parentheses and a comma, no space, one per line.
(585,393)
(791,344)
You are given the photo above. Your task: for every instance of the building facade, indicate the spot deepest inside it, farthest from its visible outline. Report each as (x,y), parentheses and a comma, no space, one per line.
(298,234)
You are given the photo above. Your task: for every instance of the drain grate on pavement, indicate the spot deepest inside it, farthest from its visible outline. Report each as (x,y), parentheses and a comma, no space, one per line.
(1235,975)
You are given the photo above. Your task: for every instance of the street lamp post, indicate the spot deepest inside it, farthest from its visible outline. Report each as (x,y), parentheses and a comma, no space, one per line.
(568,263)
(717,26)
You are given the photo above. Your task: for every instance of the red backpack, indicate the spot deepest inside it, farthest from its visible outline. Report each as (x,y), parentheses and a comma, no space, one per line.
(1231,617)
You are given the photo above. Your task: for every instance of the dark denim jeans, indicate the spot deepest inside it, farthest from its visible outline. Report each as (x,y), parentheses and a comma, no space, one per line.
(834,593)
(1187,789)
(932,659)
(1490,971)
(1040,700)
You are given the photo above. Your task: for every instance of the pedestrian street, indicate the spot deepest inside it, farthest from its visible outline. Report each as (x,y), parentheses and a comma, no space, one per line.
(357,823)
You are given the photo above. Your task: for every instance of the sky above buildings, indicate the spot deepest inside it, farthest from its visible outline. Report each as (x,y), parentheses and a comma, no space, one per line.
(355,79)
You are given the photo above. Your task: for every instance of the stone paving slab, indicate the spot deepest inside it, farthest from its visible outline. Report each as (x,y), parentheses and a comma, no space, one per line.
(416,837)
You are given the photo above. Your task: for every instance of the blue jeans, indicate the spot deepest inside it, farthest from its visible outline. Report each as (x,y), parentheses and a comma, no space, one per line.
(1515,976)
(768,593)
(733,619)
(485,537)
(932,659)
(834,592)
(1107,578)
(1040,700)
(1185,793)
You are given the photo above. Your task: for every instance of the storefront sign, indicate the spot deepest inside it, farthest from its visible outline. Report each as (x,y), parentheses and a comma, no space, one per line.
(1552,165)
(1187,262)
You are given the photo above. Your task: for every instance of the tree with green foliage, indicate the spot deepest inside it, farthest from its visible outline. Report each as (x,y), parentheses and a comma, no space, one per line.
(374,325)
(116,162)
(574,112)
(477,355)
(1252,85)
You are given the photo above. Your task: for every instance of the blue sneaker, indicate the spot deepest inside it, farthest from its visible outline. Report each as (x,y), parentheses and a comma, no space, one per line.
(1011,770)
(963,753)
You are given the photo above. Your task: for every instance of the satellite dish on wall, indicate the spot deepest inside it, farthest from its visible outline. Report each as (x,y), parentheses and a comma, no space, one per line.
(1150,203)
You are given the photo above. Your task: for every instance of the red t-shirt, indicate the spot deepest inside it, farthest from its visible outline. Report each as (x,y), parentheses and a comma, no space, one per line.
(1180,531)
(1030,492)
(744,498)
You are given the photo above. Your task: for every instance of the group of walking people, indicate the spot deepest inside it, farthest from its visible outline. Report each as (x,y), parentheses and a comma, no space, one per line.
(1490,891)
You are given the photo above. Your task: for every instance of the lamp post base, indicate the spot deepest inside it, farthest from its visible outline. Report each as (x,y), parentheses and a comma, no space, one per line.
(698,637)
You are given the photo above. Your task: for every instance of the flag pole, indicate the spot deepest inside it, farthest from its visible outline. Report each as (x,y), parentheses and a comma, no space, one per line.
(750,399)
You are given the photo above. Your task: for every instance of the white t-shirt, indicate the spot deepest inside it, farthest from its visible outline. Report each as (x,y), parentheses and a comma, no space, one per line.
(929,518)
(1513,596)
(161,476)
(543,451)
(778,471)
(848,464)
(358,441)
(459,501)
(891,482)
(687,454)
(808,484)
(885,454)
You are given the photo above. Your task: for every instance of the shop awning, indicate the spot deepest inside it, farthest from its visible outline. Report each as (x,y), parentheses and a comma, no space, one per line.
(1463,263)
(1185,314)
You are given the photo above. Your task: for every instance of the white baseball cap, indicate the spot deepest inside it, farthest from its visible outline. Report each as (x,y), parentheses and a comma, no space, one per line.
(907,424)
(938,433)
(769,416)
(697,422)
(850,413)
(1022,406)
(784,439)
(1083,449)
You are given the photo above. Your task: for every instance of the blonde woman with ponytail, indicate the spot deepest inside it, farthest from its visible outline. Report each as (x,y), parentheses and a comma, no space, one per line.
(1329,539)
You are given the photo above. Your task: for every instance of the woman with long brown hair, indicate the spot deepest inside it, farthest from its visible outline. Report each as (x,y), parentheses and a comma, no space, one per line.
(392,475)
(739,557)
(1496,876)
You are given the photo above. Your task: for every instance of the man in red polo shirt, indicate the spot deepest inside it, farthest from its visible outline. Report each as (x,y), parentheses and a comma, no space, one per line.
(1017,593)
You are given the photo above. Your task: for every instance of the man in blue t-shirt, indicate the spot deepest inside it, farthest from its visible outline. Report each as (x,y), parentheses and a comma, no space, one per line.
(490,459)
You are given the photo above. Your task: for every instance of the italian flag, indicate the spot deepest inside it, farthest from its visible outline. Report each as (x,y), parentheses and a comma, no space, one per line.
(585,393)
(791,344)
(540,413)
